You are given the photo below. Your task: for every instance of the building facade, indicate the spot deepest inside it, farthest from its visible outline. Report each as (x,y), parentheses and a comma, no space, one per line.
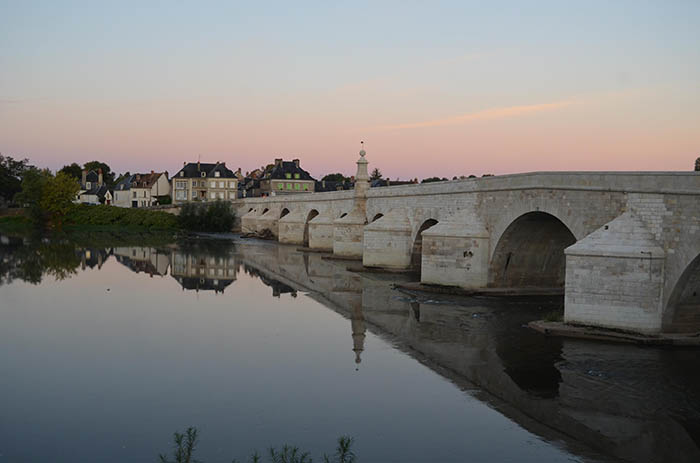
(204,182)
(142,190)
(286,177)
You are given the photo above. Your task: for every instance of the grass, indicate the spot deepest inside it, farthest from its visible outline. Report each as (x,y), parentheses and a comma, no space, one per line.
(83,214)
(15,225)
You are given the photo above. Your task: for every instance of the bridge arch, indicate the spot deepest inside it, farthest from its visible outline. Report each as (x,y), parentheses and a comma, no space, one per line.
(377,217)
(683,309)
(417,249)
(284,212)
(265,211)
(309,217)
(530,252)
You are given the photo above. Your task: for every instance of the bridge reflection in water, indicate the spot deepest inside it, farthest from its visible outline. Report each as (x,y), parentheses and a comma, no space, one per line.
(634,403)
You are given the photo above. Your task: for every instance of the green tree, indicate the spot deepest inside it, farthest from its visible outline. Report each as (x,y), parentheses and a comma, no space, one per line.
(33,183)
(107,174)
(375,175)
(11,173)
(57,197)
(337,177)
(74,170)
(697,165)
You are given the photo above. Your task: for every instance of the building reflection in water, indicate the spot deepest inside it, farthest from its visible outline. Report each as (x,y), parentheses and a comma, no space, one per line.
(201,271)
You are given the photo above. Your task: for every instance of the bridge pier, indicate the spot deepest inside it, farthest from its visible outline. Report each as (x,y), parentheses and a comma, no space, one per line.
(321,230)
(615,278)
(291,227)
(268,221)
(348,234)
(456,252)
(387,241)
(249,221)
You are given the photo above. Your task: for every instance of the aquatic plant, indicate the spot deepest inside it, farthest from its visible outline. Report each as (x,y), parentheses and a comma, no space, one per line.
(186,443)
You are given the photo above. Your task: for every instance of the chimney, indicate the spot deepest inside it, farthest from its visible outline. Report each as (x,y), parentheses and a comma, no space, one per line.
(296,162)
(198,166)
(84,180)
(278,162)
(152,172)
(99,177)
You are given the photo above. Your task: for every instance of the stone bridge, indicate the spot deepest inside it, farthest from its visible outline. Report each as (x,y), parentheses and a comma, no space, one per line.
(625,246)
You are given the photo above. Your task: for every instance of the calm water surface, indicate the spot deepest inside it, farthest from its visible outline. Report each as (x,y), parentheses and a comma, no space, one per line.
(105,352)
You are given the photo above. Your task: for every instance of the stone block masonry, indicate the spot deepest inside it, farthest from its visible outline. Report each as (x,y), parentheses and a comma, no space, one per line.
(637,274)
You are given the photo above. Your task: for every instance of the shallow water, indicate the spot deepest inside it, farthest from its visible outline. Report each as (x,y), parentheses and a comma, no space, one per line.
(105,352)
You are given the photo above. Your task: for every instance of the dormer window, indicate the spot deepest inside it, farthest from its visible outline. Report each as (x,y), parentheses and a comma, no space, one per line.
(296,176)
(288,175)
(217,174)
(204,174)
(182,174)
(87,185)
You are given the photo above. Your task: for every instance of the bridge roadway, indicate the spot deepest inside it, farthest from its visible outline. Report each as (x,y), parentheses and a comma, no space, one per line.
(624,245)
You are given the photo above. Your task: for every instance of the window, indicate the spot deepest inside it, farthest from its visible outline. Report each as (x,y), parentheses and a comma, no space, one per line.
(221,195)
(182,174)
(306,187)
(281,185)
(194,194)
(297,186)
(144,193)
(87,185)
(180,185)
(296,176)
(288,175)
(134,194)
(222,184)
(212,184)
(217,174)
(181,195)
(212,195)
(232,184)
(289,186)
(204,174)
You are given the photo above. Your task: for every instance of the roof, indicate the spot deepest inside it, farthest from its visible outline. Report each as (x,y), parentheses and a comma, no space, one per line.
(329,185)
(138,181)
(195,169)
(280,169)
(205,284)
(92,176)
(97,190)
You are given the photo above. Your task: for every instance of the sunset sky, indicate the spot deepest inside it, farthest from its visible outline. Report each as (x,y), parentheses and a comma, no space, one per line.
(433,88)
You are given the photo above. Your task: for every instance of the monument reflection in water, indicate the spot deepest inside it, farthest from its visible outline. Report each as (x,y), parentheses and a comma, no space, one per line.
(640,404)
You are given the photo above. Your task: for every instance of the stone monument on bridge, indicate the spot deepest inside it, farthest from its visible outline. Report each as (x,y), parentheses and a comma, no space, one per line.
(348,230)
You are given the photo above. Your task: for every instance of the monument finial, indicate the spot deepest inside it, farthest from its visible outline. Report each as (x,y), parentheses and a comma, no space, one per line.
(362,149)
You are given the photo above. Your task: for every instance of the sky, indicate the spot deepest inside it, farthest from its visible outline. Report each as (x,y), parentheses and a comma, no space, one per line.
(439,88)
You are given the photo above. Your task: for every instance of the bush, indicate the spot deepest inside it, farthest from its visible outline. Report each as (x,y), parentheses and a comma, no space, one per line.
(84,214)
(208,217)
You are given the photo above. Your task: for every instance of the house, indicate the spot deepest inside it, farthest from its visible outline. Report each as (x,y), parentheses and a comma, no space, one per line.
(141,190)
(285,177)
(93,189)
(204,182)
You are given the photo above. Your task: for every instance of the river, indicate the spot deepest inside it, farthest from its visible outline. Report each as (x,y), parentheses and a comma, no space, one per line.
(106,351)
